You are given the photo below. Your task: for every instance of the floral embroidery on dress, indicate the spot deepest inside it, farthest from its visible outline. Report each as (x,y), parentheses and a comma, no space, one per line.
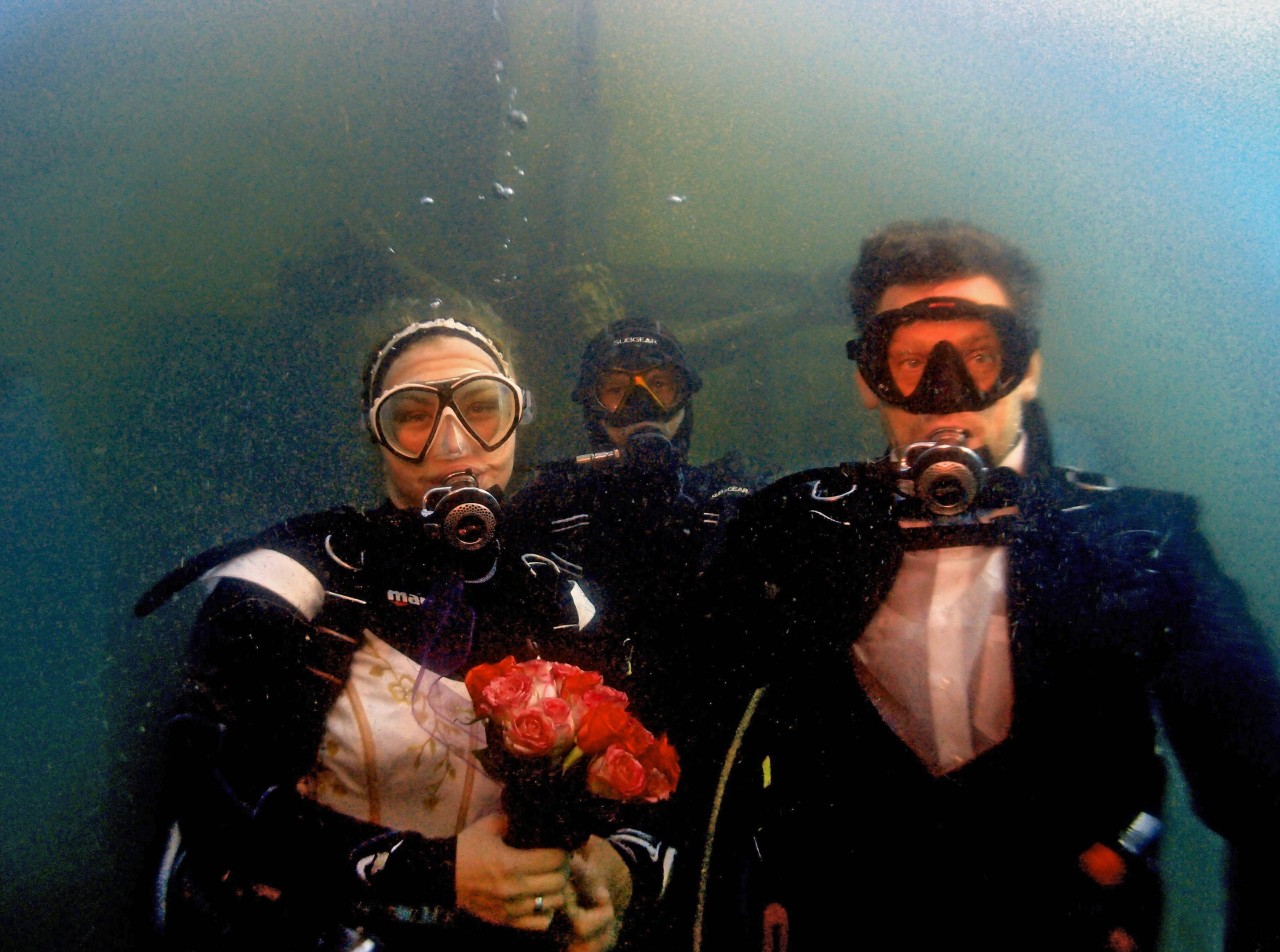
(383,761)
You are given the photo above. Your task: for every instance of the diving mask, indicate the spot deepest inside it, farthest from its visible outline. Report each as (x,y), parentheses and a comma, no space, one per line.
(407,418)
(967,375)
(633,372)
(625,397)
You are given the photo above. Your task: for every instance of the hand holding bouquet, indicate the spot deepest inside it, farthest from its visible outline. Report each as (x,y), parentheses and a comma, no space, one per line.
(566,749)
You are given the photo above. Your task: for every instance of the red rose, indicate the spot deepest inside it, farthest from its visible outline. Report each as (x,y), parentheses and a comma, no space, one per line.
(616,774)
(636,738)
(574,682)
(663,770)
(657,786)
(549,709)
(478,679)
(596,694)
(603,725)
(602,694)
(531,733)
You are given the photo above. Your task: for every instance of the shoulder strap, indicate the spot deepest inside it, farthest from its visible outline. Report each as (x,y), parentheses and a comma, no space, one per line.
(191,569)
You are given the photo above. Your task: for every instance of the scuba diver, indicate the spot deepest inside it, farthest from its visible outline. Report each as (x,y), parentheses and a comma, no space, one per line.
(321,774)
(632,521)
(949,663)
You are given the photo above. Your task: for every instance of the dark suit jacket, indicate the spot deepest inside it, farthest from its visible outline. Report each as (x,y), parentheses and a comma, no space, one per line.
(827,824)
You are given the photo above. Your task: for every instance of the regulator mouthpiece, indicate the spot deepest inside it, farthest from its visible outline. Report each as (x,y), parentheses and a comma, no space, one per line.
(464,515)
(942,472)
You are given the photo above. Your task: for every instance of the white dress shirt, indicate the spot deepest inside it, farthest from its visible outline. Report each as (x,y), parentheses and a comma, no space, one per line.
(935,658)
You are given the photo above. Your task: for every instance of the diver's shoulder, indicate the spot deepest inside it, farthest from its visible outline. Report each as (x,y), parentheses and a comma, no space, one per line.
(553,470)
(1106,497)
(292,553)
(822,482)
(733,472)
(549,480)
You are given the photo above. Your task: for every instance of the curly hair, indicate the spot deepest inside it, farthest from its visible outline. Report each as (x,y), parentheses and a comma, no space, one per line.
(926,252)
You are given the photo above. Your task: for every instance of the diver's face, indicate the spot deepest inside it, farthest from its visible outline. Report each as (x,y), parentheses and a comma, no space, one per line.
(453,449)
(618,434)
(997,427)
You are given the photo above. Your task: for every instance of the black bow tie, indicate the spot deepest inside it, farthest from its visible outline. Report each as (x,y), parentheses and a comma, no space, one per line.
(995,530)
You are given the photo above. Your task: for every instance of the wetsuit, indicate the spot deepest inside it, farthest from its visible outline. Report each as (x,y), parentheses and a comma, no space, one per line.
(317,771)
(634,538)
(827,824)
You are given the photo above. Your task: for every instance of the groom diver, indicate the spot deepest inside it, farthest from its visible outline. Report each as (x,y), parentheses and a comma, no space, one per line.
(954,659)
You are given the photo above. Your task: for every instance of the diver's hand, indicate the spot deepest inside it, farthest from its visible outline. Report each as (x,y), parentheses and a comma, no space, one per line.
(501,885)
(598,897)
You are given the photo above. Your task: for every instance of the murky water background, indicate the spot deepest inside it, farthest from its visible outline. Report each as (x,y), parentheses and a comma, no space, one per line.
(200,197)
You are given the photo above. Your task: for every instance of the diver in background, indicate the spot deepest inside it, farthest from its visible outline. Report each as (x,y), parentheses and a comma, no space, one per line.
(964,651)
(633,521)
(320,770)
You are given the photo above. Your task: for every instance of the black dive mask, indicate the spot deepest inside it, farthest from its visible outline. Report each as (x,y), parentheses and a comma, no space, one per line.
(632,372)
(953,377)
(626,397)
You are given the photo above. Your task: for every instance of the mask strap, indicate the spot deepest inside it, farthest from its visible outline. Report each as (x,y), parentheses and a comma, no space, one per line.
(444,325)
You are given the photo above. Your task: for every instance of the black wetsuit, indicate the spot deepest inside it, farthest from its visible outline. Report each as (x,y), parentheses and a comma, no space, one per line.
(635,538)
(262,865)
(828,824)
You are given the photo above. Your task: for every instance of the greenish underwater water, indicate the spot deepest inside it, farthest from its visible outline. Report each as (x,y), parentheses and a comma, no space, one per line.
(203,199)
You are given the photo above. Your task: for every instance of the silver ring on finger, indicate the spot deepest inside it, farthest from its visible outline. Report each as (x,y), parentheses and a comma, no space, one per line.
(537,903)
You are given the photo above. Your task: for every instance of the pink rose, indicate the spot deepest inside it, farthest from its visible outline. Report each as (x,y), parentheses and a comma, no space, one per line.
(531,733)
(479,678)
(506,696)
(561,716)
(540,675)
(616,774)
(545,708)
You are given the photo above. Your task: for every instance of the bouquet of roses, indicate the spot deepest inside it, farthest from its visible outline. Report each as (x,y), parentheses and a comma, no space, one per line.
(566,749)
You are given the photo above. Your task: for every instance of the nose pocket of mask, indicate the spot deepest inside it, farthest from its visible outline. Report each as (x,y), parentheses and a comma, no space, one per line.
(452,439)
(946,385)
